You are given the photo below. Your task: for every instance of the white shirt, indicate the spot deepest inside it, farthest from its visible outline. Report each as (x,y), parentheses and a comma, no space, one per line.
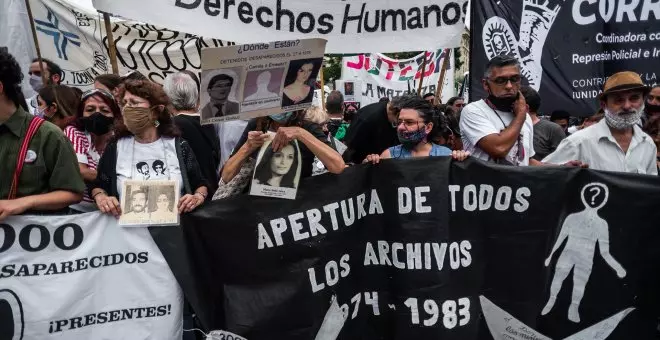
(479,120)
(597,147)
(33,104)
(157,160)
(229,133)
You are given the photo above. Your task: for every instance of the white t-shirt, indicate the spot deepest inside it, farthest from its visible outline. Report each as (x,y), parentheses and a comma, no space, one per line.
(147,162)
(479,120)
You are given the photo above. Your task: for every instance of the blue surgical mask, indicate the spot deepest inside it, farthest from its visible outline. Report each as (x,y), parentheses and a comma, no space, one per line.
(281,118)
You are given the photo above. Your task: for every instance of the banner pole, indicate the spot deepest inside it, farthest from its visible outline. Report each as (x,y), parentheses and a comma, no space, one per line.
(441,80)
(421,78)
(322,87)
(112,49)
(36,42)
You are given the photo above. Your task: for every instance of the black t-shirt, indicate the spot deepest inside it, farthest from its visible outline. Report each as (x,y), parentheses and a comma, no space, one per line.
(306,155)
(204,142)
(369,133)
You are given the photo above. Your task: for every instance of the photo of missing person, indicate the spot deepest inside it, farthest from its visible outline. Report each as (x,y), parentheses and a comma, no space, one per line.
(219,92)
(262,89)
(277,172)
(136,203)
(348,89)
(300,80)
(143,169)
(159,167)
(149,203)
(162,208)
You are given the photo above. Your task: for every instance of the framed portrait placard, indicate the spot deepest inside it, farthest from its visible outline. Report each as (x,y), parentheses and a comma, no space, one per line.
(149,203)
(277,173)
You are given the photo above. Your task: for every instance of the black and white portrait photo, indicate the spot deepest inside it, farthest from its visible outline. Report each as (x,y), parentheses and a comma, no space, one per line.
(300,81)
(262,89)
(277,172)
(219,93)
(149,203)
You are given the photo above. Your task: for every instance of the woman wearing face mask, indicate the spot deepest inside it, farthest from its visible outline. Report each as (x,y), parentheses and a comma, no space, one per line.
(288,127)
(416,129)
(57,104)
(89,133)
(297,87)
(146,136)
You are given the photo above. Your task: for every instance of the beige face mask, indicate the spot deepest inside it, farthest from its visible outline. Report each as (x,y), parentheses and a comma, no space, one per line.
(138,119)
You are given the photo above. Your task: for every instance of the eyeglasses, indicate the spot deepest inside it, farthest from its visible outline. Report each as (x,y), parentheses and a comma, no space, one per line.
(93,92)
(408,123)
(504,80)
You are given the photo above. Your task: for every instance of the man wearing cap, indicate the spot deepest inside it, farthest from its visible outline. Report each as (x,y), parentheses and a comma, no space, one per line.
(616,143)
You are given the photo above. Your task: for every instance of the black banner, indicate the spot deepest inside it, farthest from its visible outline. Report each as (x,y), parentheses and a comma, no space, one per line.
(429,249)
(567,48)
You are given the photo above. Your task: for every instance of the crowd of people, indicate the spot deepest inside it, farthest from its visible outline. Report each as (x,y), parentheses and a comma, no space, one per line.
(69,152)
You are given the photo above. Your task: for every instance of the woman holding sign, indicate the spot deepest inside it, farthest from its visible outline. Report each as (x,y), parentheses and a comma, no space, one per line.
(147,136)
(416,128)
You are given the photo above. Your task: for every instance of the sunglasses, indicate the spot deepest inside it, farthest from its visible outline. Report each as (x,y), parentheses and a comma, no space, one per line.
(504,80)
(92,92)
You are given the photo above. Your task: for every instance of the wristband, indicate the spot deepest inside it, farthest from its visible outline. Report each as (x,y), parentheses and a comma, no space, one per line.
(96,194)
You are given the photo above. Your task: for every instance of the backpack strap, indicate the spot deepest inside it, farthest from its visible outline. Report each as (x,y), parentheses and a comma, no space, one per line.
(33,127)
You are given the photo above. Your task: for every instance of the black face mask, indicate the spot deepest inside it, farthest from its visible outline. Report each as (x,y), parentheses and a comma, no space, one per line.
(348,116)
(333,125)
(652,109)
(97,123)
(503,103)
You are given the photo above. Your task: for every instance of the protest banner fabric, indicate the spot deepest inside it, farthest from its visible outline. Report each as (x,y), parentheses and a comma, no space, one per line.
(254,80)
(84,277)
(567,49)
(381,76)
(349,27)
(76,40)
(433,249)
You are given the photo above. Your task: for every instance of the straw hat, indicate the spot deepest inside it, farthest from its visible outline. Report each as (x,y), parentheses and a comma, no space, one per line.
(623,81)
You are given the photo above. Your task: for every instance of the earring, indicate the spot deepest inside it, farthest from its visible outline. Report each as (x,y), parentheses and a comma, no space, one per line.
(156,123)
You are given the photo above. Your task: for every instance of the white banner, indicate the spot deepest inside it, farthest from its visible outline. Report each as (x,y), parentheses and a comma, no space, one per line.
(84,277)
(385,77)
(349,26)
(76,40)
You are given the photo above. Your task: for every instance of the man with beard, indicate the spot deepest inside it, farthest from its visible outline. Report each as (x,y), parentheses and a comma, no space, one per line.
(138,207)
(616,143)
(498,128)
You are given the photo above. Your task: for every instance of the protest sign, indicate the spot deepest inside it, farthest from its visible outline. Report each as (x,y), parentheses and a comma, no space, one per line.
(277,174)
(381,76)
(149,202)
(434,249)
(83,277)
(247,81)
(351,89)
(567,49)
(76,40)
(349,27)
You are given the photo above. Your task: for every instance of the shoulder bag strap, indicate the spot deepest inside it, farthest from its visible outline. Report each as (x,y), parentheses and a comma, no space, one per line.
(182,165)
(33,127)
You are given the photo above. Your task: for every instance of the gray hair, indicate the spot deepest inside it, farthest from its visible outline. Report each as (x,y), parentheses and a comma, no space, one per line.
(182,90)
(500,61)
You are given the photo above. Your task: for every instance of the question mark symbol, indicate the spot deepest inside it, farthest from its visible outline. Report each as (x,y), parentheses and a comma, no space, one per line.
(596,190)
(297,42)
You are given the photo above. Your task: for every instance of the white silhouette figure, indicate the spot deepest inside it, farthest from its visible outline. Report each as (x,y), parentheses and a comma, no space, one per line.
(582,230)
(263,79)
(535,23)
(333,321)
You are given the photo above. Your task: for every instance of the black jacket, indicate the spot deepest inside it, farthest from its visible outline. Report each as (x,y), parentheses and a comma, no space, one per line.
(106,176)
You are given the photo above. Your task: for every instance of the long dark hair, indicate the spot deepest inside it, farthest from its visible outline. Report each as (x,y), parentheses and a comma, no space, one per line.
(105,97)
(295,65)
(263,172)
(153,93)
(66,99)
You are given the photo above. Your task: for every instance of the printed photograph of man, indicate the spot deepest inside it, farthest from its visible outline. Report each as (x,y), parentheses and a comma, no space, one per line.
(220,93)
(299,84)
(135,207)
(348,89)
(143,169)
